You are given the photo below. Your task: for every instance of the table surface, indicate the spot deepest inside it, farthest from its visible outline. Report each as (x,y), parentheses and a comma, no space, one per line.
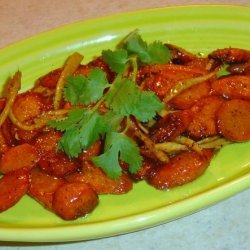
(225,225)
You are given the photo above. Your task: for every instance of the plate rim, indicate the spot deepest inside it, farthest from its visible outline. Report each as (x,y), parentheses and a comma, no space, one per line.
(120,14)
(234,186)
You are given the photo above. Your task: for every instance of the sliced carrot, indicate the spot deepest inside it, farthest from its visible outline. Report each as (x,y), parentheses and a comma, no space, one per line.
(43,187)
(2,103)
(46,143)
(24,155)
(24,136)
(100,182)
(58,164)
(203,123)
(27,106)
(73,200)
(179,55)
(50,80)
(190,96)
(231,55)
(13,186)
(8,131)
(3,144)
(233,87)
(240,68)
(93,150)
(161,78)
(171,126)
(233,120)
(181,169)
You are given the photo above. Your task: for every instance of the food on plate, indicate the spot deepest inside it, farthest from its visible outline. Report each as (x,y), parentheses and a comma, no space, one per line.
(143,111)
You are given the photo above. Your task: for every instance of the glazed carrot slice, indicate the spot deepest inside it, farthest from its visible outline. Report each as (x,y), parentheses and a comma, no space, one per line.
(171,126)
(233,120)
(50,80)
(100,182)
(46,143)
(190,96)
(3,145)
(233,87)
(2,103)
(93,150)
(231,55)
(13,186)
(161,78)
(181,169)
(24,155)
(179,55)
(43,187)
(58,164)
(27,106)
(73,200)
(240,68)
(9,132)
(204,117)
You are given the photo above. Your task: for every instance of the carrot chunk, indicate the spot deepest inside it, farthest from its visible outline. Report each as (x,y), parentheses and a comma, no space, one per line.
(27,106)
(171,126)
(73,200)
(231,55)
(46,143)
(13,186)
(43,187)
(3,145)
(50,80)
(233,120)
(100,182)
(181,169)
(233,87)
(59,164)
(24,155)
(162,78)
(190,96)
(204,117)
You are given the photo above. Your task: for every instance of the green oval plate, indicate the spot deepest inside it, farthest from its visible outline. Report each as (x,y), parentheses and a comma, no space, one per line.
(196,28)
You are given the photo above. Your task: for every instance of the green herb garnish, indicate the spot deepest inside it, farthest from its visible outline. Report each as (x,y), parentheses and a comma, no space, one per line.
(223,71)
(123,98)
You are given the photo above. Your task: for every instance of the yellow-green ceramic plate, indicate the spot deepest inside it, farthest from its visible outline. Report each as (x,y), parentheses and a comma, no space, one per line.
(196,28)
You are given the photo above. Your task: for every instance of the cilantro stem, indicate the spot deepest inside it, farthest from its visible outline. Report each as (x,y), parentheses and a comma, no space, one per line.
(133,60)
(128,122)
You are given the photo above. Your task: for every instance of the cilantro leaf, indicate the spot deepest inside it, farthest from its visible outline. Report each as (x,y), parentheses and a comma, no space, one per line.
(125,98)
(122,97)
(81,129)
(147,105)
(73,86)
(91,127)
(70,143)
(155,52)
(223,71)
(113,120)
(136,45)
(159,53)
(85,90)
(116,59)
(74,117)
(118,145)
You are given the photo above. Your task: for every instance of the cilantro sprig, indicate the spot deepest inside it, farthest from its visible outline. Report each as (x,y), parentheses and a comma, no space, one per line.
(134,46)
(123,98)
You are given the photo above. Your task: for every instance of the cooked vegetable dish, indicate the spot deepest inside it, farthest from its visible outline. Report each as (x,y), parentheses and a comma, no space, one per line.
(143,111)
